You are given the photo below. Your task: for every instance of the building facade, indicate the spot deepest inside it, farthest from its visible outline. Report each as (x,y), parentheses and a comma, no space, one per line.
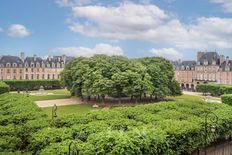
(32,68)
(210,67)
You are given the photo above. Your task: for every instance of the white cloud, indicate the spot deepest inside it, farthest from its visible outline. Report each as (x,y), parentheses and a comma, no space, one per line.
(130,21)
(227,4)
(87,52)
(168,53)
(18,30)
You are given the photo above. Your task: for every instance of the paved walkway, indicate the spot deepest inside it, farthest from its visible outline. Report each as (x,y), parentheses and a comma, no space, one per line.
(58,102)
(208,98)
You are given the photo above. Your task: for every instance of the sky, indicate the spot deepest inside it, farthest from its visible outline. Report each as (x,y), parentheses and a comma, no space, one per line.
(174,29)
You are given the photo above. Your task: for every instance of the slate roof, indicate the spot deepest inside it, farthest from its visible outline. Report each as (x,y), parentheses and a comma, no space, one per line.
(210,57)
(185,64)
(29,60)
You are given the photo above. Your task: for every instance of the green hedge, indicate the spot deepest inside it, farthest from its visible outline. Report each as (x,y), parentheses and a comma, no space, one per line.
(19,119)
(165,128)
(214,89)
(33,84)
(227,99)
(171,128)
(4,87)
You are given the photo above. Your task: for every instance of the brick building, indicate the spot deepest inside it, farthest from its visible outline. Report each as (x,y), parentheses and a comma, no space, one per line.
(210,67)
(31,68)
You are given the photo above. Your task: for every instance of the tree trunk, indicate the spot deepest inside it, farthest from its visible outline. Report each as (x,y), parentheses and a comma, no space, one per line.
(136,100)
(132,97)
(151,97)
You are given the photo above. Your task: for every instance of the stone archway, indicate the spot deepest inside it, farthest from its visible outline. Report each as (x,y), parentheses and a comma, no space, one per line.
(192,87)
(187,86)
(182,86)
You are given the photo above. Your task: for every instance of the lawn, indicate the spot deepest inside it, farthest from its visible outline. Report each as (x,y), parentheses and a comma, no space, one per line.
(48,97)
(70,109)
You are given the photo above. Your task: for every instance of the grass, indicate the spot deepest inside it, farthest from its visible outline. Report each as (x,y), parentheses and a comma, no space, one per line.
(48,97)
(70,109)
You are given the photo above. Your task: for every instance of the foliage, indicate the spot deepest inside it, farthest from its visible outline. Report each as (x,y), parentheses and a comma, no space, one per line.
(33,84)
(118,77)
(19,118)
(214,89)
(172,128)
(227,99)
(4,87)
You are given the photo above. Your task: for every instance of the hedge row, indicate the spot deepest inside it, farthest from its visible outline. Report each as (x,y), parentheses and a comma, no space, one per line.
(167,128)
(171,128)
(33,84)
(19,119)
(214,89)
(227,99)
(4,87)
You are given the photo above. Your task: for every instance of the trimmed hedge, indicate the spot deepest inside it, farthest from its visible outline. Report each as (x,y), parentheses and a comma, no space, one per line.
(33,84)
(214,89)
(19,119)
(227,99)
(171,128)
(4,88)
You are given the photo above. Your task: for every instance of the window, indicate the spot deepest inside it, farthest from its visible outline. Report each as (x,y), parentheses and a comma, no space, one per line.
(14,65)
(8,65)
(48,76)
(37,65)
(43,70)
(8,70)
(14,70)
(58,65)
(26,76)
(32,76)
(48,65)
(20,71)
(53,76)
(32,64)
(26,69)
(43,76)
(53,65)
(37,69)
(14,77)
(32,70)
(37,76)
(21,77)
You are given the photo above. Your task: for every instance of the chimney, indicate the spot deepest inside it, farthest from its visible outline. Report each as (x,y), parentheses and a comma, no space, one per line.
(22,56)
(34,57)
(222,59)
(63,58)
(200,55)
(227,60)
(49,58)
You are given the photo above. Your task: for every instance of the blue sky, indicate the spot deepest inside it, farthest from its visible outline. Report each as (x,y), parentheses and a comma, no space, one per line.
(170,28)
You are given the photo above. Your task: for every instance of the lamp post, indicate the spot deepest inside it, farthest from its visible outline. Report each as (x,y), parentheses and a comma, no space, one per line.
(72,150)
(54,110)
(210,126)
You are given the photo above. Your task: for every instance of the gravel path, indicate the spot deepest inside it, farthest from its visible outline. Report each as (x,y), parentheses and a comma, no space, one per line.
(58,102)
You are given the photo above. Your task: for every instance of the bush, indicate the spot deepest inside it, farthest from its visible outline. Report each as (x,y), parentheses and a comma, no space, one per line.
(19,119)
(172,128)
(227,99)
(33,84)
(214,89)
(3,87)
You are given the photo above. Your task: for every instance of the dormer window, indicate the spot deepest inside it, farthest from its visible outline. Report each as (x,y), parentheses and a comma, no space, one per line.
(187,67)
(26,65)
(43,65)
(227,68)
(14,65)
(32,65)
(37,65)
(182,67)
(53,65)
(58,65)
(62,64)
(48,65)
(8,65)
(205,62)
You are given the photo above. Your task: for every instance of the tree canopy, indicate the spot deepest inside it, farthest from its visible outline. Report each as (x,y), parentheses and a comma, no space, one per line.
(117,77)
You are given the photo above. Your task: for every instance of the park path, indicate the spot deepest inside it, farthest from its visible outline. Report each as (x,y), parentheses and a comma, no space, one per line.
(208,99)
(58,102)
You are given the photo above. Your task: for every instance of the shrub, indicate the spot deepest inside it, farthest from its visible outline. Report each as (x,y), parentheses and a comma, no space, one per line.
(33,84)
(214,89)
(227,99)
(3,87)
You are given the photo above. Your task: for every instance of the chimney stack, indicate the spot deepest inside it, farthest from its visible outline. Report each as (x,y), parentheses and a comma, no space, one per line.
(34,57)
(22,56)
